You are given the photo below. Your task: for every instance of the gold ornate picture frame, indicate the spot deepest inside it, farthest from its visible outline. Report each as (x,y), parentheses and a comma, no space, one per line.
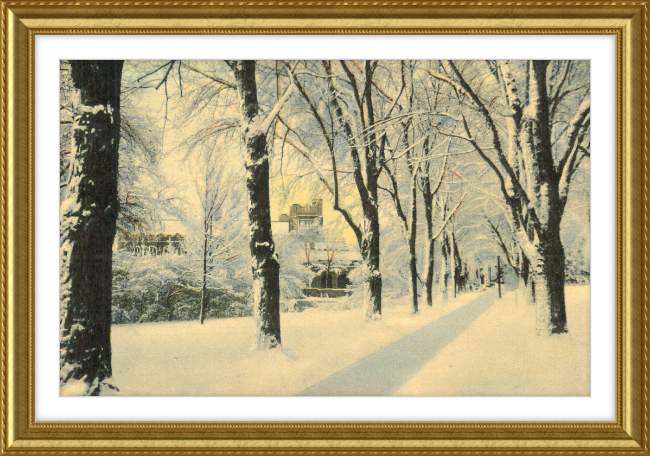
(22,20)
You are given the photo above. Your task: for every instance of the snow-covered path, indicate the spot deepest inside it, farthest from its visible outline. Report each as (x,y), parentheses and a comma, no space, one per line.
(385,371)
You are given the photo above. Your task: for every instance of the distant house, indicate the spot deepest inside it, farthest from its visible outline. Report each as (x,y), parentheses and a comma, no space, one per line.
(299,218)
(151,244)
(168,239)
(305,217)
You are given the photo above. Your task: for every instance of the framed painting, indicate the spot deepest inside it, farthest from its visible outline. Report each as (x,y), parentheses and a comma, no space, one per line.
(325,227)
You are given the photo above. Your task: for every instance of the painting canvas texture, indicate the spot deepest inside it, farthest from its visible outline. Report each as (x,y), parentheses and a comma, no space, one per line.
(324,228)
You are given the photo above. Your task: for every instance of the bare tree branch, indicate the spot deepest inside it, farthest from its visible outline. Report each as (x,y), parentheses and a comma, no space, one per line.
(215,79)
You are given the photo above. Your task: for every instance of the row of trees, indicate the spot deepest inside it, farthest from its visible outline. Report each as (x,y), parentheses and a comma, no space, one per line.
(527,121)
(459,136)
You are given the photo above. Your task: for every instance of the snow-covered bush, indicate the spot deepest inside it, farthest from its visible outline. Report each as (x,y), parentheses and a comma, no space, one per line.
(294,268)
(576,268)
(154,312)
(119,316)
(150,289)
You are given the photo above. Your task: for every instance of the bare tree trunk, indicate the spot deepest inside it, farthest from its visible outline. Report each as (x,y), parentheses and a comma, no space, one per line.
(430,253)
(548,273)
(204,289)
(413,263)
(368,235)
(457,267)
(372,280)
(521,283)
(266,268)
(88,224)
(430,271)
(526,282)
(445,268)
(499,275)
(428,194)
(409,230)
(370,205)
(544,250)
(330,260)
(413,231)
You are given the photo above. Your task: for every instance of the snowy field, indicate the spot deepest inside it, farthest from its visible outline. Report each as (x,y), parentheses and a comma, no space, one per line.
(498,354)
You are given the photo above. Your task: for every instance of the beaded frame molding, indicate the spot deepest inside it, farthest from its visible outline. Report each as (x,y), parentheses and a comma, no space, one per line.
(23,20)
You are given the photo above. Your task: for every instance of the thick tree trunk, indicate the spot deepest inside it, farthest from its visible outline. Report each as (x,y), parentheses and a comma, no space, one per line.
(547,254)
(88,223)
(548,273)
(265,265)
(370,204)
(373,281)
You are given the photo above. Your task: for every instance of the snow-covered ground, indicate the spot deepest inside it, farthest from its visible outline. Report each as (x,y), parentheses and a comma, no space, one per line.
(497,354)
(190,359)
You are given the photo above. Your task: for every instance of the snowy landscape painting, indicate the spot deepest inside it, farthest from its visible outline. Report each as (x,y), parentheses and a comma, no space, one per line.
(325,228)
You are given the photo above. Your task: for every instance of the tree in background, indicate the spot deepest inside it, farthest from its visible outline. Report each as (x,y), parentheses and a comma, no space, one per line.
(88,222)
(409,223)
(219,200)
